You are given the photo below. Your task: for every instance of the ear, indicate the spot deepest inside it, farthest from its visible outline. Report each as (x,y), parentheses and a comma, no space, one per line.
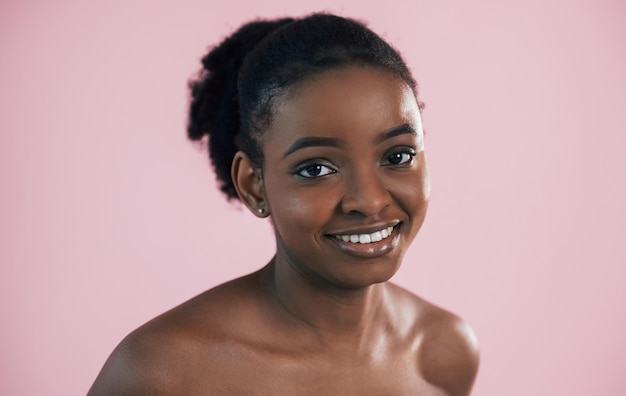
(248,181)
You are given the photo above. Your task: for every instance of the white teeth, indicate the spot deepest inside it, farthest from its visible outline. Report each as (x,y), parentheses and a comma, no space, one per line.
(377,236)
(367,238)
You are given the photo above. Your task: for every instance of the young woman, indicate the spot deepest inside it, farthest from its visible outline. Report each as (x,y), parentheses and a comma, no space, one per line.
(314,123)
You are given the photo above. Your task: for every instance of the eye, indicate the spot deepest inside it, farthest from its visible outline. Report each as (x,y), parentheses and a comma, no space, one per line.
(401,158)
(315,170)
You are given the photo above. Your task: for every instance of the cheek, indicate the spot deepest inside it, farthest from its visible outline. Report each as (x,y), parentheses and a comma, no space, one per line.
(413,193)
(422,186)
(425,183)
(296,209)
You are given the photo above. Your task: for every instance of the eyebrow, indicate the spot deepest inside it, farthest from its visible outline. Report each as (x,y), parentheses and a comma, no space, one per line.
(338,143)
(314,142)
(395,131)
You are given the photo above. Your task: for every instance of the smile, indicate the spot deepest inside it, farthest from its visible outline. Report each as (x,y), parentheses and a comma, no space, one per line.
(376,236)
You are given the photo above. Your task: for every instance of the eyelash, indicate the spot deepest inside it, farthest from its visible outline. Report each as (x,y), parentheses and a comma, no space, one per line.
(325,170)
(409,152)
(310,166)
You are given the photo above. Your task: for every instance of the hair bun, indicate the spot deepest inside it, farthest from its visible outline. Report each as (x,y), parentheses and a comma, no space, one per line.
(214,107)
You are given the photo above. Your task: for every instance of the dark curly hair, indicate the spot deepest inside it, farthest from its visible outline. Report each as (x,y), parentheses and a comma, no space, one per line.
(231,99)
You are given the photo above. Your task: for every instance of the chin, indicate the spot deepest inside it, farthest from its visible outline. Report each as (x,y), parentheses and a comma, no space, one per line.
(372,272)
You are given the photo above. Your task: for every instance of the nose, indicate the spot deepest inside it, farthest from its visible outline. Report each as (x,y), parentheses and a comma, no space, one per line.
(365,194)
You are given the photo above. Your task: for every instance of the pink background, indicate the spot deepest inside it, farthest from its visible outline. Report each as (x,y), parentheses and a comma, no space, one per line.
(109,216)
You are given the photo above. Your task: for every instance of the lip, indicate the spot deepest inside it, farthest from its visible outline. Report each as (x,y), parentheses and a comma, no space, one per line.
(372,249)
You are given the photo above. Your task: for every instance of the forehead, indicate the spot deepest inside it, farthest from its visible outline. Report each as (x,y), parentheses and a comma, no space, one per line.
(352,99)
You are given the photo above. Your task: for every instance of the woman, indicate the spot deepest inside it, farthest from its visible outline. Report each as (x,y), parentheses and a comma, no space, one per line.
(315,124)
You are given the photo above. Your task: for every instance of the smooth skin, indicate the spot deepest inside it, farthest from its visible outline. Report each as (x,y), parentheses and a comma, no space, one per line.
(343,155)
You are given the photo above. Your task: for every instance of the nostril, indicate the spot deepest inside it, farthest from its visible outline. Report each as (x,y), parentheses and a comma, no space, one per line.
(366,199)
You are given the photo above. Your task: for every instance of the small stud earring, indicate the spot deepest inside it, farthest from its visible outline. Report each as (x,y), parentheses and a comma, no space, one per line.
(260,210)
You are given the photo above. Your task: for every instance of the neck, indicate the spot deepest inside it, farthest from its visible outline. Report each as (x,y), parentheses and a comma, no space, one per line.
(333,314)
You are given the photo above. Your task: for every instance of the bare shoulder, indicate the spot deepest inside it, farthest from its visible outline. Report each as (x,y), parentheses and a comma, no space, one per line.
(139,366)
(448,354)
(161,356)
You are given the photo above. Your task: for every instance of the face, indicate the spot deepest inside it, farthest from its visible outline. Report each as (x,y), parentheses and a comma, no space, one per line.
(345,176)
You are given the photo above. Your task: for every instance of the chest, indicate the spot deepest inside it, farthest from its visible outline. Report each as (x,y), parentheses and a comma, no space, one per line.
(310,374)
